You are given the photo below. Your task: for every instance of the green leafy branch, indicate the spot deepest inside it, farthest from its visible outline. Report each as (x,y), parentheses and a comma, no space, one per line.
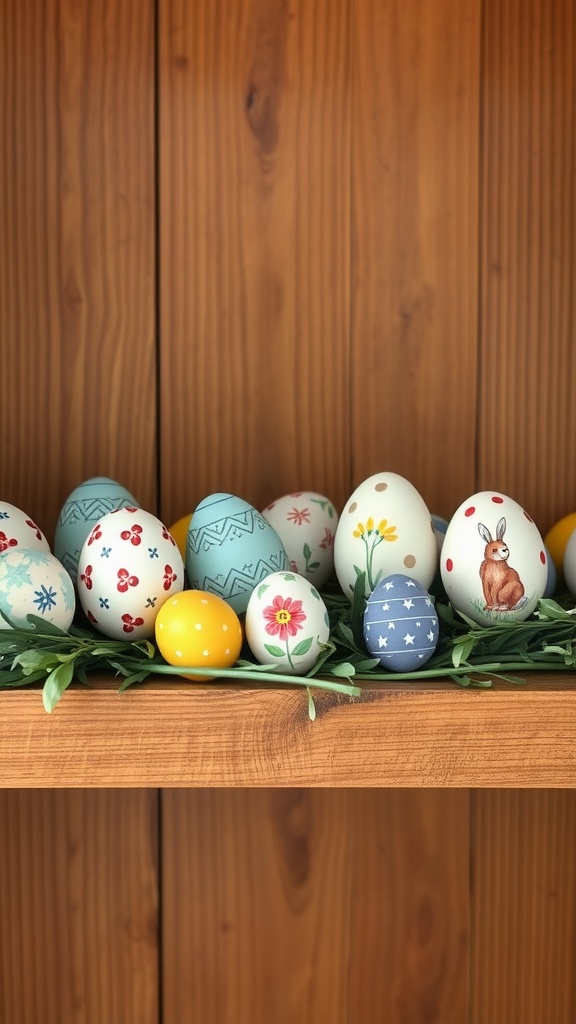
(469,654)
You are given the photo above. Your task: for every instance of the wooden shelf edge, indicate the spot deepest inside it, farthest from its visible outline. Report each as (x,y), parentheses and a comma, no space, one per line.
(433,734)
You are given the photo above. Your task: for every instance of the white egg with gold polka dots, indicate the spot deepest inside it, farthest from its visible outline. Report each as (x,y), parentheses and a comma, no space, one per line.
(385,527)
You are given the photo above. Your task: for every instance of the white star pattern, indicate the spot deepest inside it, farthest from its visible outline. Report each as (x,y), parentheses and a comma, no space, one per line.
(386,607)
(389,585)
(408,602)
(382,641)
(391,625)
(410,583)
(408,639)
(430,636)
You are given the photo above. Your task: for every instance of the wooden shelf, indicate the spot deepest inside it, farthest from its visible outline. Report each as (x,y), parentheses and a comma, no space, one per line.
(422,734)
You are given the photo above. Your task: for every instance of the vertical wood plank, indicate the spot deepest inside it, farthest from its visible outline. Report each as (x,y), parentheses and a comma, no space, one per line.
(255,249)
(523,907)
(77,306)
(528,262)
(415,137)
(78,907)
(304,905)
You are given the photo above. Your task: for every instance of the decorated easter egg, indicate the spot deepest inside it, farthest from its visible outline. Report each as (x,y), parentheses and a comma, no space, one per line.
(286,622)
(18,530)
(494,563)
(556,540)
(34,582)
(400,624)
(179,531)
(230,548)
(128,567)
(384,528)
(569,563)
(195,629)
(84,507)
(306,523)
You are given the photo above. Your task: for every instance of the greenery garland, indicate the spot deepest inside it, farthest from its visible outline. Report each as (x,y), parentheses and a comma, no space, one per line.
(469,654)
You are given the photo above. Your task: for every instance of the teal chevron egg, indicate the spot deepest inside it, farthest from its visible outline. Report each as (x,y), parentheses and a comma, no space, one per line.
(230,548)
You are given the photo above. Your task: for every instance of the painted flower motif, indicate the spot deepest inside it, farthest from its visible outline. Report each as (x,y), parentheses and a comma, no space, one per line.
(284,617)
(131,623)
(133,535)
(125,580)
(95,535)
(167,535)
(86,577)
(327,540)
(298,516)
(32,525)
(7,542)
(372,536)
(169,577)
(383,531)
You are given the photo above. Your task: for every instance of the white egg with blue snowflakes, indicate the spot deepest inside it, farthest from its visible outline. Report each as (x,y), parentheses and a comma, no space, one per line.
(400,624)
(34,582)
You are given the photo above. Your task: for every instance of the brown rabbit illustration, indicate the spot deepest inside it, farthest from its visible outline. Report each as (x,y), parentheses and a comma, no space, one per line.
(502,586)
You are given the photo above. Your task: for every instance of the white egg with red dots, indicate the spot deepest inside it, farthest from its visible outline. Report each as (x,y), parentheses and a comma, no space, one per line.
(129,565)
(494,563)
(385,527)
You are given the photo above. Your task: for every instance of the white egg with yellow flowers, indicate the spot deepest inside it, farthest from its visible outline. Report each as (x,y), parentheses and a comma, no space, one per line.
(385,527)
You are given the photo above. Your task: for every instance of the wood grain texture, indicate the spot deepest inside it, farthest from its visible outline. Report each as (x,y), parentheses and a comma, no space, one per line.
(415,138)
(429,735)
(523,907)
(77,358)
(78,907)
(255,249)
(528,363)
(306,905)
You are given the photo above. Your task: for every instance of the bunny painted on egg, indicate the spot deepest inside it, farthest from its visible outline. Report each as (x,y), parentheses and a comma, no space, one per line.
(502,586)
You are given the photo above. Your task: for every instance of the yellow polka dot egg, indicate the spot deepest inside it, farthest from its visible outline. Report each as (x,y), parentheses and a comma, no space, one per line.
(197,629)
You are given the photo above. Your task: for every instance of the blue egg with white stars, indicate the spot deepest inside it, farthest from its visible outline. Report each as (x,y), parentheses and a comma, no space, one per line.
(400,624)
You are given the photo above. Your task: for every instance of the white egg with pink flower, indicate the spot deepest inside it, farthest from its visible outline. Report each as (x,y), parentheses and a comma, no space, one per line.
(287,622)
(306,523)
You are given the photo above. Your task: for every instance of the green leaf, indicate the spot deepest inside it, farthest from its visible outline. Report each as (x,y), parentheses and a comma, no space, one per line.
(311,706)
(263,588)
(462,651)
(35,660)
(45,627)
(303,647)
(552,610)
(276,652)
(58,680)
(306,551)
(344,668)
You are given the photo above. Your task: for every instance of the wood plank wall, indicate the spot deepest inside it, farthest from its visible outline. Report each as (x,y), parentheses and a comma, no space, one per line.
(258,246)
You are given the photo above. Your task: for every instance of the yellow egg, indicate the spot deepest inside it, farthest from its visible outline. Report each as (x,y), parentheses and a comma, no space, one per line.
(179,531)
(557,538)
(196,629)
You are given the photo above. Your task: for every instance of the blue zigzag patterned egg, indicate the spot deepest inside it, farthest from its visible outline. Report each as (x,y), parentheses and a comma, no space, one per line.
(230,548)
(400,624)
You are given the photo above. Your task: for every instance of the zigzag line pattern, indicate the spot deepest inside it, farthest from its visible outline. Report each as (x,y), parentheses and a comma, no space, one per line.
(88,510)
(239,581)
(228,529)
